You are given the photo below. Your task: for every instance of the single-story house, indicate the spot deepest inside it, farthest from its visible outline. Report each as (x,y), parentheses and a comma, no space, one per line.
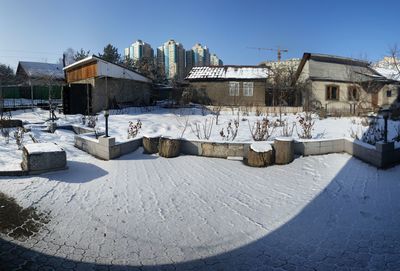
(228,85)
(39,73)
(96,84)
(344,84)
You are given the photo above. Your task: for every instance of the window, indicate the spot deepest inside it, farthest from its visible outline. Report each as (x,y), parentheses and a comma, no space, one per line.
(332,92)
(353,93)
(233,88)
(248,88)
(388,93)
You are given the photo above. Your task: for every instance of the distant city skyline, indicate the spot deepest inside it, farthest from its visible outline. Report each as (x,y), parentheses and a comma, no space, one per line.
(42,30)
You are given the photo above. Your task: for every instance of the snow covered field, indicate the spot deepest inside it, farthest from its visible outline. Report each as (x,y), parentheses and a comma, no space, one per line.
(330,212)
(176,123)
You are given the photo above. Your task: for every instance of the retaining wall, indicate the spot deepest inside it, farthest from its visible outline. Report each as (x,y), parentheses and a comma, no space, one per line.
(381,155)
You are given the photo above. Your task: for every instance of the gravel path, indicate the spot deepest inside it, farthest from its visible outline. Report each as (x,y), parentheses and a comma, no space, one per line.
(145,212)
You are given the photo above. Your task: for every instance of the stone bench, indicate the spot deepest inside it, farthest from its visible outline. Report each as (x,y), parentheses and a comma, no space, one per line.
(43,157)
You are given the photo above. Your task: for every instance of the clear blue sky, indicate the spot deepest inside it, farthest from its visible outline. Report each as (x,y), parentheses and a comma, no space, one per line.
(41,30)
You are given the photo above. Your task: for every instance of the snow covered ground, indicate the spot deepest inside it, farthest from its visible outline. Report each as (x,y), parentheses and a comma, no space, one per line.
(176,123)
(330,212)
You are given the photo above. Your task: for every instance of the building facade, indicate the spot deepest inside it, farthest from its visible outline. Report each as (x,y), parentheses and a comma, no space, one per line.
(228,85)
(344,85)
(96,84)
(215,61)
(171,56)
(138,50)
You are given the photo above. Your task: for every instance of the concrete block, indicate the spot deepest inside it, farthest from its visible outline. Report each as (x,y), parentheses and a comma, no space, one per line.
(42,157)
(384,147)
(106,141)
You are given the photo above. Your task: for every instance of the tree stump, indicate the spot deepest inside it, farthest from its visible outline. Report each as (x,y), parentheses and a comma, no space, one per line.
(150,144)
(169,147)
(260,155)
(284,150)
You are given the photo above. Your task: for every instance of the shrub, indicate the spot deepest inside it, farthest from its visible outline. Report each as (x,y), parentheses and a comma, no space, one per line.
(231,131)
(19,137)
(203,131)
(133,129)
(306,124)
(262,129)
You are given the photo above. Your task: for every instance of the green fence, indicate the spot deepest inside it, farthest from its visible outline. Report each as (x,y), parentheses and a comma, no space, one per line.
(22,92)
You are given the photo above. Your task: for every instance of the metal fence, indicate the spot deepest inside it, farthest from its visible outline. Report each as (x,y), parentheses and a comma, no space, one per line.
(14,97)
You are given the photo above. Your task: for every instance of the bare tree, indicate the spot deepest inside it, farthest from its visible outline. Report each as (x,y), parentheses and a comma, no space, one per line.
(395,55)
(286,89)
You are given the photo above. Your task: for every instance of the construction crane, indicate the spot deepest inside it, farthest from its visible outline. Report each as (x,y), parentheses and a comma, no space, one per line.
(278,50)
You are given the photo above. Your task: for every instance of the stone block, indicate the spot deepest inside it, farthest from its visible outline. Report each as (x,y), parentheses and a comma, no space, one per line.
(42,157)
(106,141)
(284,150)
(384,147)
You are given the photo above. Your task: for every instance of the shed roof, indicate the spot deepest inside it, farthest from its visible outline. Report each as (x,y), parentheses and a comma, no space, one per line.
(110,69)
(227,72)
(41,70)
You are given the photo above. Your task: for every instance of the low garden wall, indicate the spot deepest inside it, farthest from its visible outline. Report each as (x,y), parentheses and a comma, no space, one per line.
(382,155)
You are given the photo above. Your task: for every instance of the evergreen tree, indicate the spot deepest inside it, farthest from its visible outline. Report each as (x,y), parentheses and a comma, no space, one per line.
(110,53)
(79,55)
(7,75)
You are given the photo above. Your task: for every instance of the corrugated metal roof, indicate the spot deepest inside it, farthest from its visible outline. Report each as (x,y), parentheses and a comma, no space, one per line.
(40,70)
(228,72)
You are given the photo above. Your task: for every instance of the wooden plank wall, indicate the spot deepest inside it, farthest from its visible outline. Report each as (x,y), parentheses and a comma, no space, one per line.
(83,72)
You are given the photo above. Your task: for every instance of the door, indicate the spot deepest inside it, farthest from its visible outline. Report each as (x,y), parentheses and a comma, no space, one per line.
(77,99)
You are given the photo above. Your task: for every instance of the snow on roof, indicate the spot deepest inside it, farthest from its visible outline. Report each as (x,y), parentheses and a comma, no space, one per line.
(392,74)
(40,69)
(106,68)
(228,72)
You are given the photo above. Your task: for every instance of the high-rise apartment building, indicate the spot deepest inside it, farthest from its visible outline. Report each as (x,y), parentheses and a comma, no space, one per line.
(215,61)
(198,56)
(138,50)
(171,56)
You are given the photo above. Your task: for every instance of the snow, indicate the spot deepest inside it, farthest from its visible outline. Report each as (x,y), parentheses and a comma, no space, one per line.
(171,123)
(228,72)
(35,148)
(389,73)
(261,147)
(39,69)
(197,213)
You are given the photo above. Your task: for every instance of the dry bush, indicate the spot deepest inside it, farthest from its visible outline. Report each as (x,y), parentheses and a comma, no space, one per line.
(262,129)
(231,131)
(19,137)
(306,124)
(287,130)
(134,129)
(203,131)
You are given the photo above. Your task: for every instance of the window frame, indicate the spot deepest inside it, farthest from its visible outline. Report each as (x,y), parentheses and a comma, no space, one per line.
(328,93)
(248,89)
(234,88)
(350,95)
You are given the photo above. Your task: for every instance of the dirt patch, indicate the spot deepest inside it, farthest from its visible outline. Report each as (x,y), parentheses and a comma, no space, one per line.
(18,222)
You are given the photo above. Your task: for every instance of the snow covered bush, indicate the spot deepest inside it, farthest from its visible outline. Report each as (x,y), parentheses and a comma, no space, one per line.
(91,121)
(287,129)
(133,129)
(19,137)
(397,136)
(203,131)
(262,129)
(374,133)
(306,124)
(230,132)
